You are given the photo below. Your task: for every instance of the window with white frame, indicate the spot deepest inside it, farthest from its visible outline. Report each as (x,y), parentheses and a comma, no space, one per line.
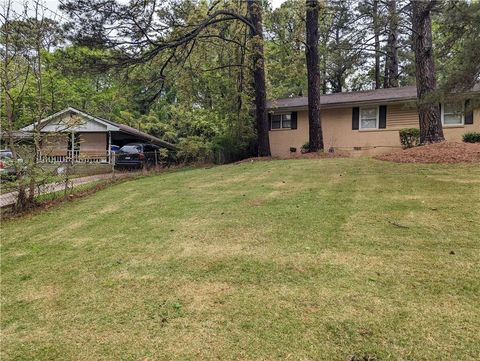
(369,118)
(281,121)
(452,114)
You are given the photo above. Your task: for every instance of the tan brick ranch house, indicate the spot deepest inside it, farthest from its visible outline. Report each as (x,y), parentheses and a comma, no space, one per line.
(364,122)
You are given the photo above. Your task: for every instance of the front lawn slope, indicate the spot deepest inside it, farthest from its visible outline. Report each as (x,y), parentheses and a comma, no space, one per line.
(305,259)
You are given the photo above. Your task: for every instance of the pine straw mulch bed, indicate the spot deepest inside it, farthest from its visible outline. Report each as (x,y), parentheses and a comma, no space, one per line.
(444,152)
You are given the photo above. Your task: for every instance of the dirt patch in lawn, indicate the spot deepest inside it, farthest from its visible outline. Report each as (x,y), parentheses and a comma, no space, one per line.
(444,152)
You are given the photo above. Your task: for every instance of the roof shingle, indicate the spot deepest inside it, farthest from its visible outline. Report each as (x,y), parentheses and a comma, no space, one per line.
(406,93)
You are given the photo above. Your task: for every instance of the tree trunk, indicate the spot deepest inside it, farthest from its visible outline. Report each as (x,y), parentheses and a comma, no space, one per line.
(324,79)
(21,202)
(315,136)
(337,83)
(391,59)
(40,107)
(428,109)
(385,71)
(255,15)
(376,29)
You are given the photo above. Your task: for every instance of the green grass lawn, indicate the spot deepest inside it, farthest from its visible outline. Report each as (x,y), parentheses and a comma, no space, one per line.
(301,260)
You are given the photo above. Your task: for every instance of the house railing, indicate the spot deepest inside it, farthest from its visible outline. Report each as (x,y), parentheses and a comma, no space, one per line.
(75,156)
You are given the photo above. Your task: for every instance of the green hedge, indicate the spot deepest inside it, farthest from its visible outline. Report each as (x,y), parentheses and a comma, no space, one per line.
(471,137)
(409,137)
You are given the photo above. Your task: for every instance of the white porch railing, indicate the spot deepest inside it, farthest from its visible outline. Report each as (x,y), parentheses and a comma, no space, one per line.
(75,156)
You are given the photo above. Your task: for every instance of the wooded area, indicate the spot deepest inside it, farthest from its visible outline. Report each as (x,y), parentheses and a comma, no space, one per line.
(198,73)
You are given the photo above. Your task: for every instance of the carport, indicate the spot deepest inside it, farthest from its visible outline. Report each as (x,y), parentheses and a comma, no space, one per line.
(75,136)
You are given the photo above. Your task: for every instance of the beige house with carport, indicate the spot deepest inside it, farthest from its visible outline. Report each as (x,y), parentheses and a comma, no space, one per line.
(364,122)
(72,135)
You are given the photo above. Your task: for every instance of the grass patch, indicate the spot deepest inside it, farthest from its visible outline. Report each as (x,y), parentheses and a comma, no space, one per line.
(299,259)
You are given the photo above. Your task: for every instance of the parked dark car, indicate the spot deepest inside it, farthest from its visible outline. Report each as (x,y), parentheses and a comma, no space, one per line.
(7,167)
(137,155)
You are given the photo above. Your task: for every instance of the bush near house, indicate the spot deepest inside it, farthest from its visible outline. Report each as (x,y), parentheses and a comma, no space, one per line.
(305,147)
(409,137)
(471,137)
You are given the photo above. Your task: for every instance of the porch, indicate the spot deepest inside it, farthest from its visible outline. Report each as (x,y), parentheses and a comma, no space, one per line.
(76,147)
(76,156)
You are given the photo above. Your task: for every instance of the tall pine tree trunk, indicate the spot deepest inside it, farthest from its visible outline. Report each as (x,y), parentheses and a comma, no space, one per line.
(385,71)
(38,74)
(428,109)
(255,15)
(315,136)
(391,59)
(376,30)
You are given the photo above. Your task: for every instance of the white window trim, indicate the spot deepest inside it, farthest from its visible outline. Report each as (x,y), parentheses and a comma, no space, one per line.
(360,118)
(442,117)
(281,121)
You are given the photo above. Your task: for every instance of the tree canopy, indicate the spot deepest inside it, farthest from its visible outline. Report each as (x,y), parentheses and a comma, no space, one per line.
(184,69)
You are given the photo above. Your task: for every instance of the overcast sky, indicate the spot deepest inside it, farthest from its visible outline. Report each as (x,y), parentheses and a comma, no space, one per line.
(53,4)
(277,3)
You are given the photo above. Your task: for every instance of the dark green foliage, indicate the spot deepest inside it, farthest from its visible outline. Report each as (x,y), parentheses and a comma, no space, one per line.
(458,45)
(305,147)
(471,137)
(194,149)
(231,147)
(409,137)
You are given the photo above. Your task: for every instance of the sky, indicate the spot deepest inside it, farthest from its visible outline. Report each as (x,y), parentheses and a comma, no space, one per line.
(277,3)
(53,4)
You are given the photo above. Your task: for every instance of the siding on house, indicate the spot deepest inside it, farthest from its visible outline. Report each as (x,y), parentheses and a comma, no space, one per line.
(55,144)
(338,133)
(281,140)
(401,116)
(93,143)
(90,143)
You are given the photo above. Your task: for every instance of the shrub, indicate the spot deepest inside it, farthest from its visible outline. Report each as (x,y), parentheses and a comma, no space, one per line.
(471,137)
(233,146)
(194,150)
(305,148)
(409,137)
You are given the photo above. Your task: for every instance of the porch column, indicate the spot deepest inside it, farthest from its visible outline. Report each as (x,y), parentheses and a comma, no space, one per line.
(109,147)
(73,147)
